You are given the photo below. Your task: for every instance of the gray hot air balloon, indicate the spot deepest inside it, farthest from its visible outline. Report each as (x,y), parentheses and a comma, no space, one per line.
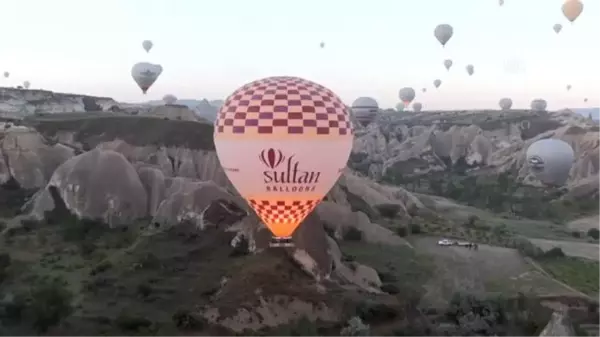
(569,87)
(437,83)
(585,100)
(417,107)
(424,90)
(470,69)
(443,33)
(145,74)
(550,160)
(448,64)
(147,45)
(322,45)
(6,74)
(539,104)
(505,103)
(169,99)
(400,107)
(557,28)
(364,110)
(407,95)
(500,2)
(26,84)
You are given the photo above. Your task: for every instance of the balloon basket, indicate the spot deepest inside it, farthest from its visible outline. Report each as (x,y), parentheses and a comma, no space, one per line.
(284,241)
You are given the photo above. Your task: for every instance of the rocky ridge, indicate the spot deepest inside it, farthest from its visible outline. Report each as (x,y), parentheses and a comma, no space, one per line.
(76,163)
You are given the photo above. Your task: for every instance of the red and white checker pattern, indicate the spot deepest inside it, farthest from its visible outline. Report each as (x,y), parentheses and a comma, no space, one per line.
(283,212)
(284,105)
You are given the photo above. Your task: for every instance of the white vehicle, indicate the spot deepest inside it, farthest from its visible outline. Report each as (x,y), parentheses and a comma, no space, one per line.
(445,242)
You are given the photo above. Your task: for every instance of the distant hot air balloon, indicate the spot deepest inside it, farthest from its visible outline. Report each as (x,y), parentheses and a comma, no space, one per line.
(407,95)
(417,107)
(538,105)
(437,83)
(145,74)
(169,99)
(443,33)
(470,69)
(26,84)
(569,87)
(147,45)
(585,100)
(501,2)
(505,103)
(322,44)
(424,90)
(572,9)
(268,151)
(6,74)
(550,160)
(448,64)
(557,28)
(400,107)
(364,110)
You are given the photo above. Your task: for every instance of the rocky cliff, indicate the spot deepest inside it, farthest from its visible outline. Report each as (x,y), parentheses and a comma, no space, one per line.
(19,103)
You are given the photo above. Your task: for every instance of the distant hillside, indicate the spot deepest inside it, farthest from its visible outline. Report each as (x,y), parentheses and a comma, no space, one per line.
(203,108)
(595,112)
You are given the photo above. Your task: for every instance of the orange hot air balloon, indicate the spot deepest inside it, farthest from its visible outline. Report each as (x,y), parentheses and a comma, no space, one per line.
(283,143)
(572,9)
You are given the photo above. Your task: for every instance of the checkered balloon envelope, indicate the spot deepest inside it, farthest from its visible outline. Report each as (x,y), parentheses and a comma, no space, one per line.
(283,143)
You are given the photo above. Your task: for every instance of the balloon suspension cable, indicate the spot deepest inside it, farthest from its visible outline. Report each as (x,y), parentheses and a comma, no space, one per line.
(281,241)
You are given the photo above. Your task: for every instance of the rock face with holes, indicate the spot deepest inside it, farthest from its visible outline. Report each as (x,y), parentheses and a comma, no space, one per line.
(400,146)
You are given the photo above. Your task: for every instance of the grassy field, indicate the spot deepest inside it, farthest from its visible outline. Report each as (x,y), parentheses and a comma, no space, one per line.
(487,270)
(581,274)
(399,266)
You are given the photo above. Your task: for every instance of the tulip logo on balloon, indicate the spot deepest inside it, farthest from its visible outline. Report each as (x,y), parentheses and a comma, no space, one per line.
(291,178)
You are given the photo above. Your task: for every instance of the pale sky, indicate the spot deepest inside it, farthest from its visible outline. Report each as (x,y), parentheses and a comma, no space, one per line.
(373,48)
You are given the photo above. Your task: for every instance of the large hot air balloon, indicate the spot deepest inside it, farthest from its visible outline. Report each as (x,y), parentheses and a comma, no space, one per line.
(437,83)
(505,103)
(169,99)
(550,160)
(569,87)
(448,64)
(6,74)
(443,33)
(572,9)
(470,69)
(26,84)
(539,104)
(147,45)
(283,142)
(407,95)
(364,110)
(417,107)
(145,74)
(557,28)
(400,107)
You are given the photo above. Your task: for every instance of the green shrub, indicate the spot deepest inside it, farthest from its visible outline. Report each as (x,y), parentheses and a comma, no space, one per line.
(388,210)
(415,228)
(554,252)
(593,233)
(50,304)
(402,231)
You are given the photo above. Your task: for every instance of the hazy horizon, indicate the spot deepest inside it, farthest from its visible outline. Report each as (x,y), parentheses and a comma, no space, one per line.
(208,49)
